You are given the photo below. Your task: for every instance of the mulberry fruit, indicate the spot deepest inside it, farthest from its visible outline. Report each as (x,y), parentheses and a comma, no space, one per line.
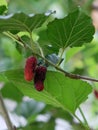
(30,67)
(39,85)
(40,74)
(96,94)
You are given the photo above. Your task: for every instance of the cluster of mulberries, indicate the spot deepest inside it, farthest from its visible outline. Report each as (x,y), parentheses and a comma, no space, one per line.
(32,71)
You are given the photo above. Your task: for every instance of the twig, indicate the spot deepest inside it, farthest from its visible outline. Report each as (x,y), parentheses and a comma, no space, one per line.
(4,113)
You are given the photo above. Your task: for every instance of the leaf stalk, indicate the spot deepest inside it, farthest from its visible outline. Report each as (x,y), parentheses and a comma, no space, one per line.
(85,120)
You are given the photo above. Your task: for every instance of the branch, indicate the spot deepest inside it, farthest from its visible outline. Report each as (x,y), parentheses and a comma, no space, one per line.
(4,113)
(67,74)
(75,76)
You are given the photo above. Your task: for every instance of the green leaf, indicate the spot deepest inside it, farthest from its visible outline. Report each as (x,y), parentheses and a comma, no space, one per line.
(20,49)
(10,91)
(3,6)
(59,91)
(45,43)
(3,78)
(2,9)
(21,22)
(73,30)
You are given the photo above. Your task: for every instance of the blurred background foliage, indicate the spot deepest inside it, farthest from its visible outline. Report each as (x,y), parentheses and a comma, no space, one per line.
(82,60)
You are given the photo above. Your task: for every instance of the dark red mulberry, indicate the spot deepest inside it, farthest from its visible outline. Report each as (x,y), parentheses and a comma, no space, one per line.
(30,67)
(96,93)
(39,85)
(40,74)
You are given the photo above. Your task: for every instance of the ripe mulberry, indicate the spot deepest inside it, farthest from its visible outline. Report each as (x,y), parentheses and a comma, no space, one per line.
(96,94)
(40,74)
(30,67)
(39,85)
